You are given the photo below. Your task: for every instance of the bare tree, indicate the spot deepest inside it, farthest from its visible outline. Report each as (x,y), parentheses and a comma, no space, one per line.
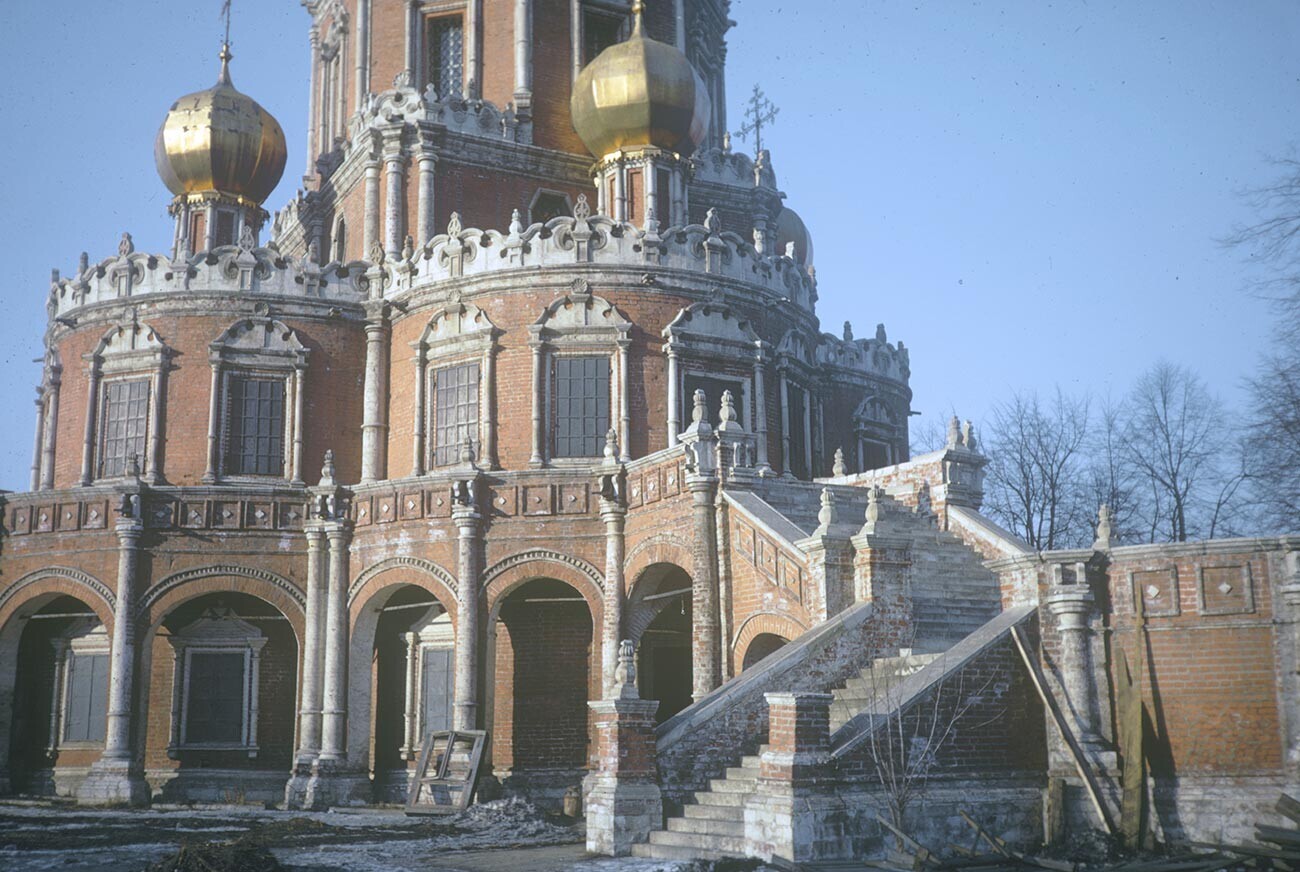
(1176,439)
(928,434)
(1110,481)
(1034,486)
(1275,438)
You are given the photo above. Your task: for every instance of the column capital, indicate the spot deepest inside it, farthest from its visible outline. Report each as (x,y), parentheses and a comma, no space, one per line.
(612,512)
(378,313)
(129,531)
(1069,599)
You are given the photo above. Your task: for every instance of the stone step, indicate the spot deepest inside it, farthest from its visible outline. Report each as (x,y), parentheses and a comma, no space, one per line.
(742,772)
(672,852)
(734,785)
(707,826)
(699,841)
(715,812)
(720,798)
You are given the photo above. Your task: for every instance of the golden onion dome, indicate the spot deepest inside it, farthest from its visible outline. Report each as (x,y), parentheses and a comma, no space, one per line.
(790,228)
(641,92)
(220,141)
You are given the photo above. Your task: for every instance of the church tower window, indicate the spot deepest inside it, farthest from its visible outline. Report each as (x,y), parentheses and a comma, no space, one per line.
(445,61)
(125,425)
(456,412)
(255,444)
(600,30)
(581,405)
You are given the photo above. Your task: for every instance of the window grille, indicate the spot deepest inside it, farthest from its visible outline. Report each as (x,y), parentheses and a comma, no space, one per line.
(87,710)
(125,420)
(581,406)
(214,707)
(255,445)
(455,405)
(445,38)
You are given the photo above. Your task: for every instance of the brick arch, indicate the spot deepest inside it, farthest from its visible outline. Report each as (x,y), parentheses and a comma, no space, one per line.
(58,580)
(414,570)
(764,622)
(657,549)
(507,574)
(180,587)
(639,615)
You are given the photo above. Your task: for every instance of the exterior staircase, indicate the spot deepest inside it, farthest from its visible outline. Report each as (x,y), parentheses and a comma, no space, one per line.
(713,826)
(872,684)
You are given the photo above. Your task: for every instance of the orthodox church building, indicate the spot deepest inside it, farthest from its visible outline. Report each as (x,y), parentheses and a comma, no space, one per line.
(519,418)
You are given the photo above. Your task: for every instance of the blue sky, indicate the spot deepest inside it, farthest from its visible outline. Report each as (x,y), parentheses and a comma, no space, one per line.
(1026,193)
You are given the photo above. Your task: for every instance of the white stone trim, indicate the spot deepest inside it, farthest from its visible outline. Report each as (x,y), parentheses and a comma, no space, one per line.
(215,634)
(128,351)
(459,333)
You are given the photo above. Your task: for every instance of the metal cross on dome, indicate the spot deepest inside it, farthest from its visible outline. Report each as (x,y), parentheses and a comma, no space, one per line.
(759,111)
(225,13)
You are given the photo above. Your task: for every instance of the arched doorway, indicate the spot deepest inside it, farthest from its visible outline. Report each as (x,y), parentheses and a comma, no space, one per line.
(763,645)
(54,653)
(220,677)
(540,646)
(659,621)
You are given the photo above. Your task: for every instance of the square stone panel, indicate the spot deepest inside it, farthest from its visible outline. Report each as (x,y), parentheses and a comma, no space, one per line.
(1225,590)
(290,515)
(672,481)
(505,501)
(362,512)
(1158,589)
(20,520)
(636,491)
(653,486)
(225,513)
(162,514)
(67,516)
(574,498)
(744,537)
(411,505)
(538,499)
(194,514)
(261,516)
(95,515)
(386,509)
(44,519)
(438,502)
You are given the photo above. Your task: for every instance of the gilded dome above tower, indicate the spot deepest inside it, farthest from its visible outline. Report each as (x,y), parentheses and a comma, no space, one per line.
(640,92)
(219,141)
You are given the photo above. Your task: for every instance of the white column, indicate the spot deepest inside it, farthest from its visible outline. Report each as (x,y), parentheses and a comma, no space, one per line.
(362,74)
(374,426)
(466,519)
(523,56)
(614,516)
(370,229)
(334,711)
(674,396)
(620,192)
(624,403)
(785,422)
(760,411)
(295,466)
(313,147)
(705,613)
(425,229)
(417,442)
(36,445)
(51,427)
(214,425)
(395,204)
(412,22)
(652,193)
(539,399)
(575,37)
(410,729)
(487,410)
(679,18)
(157,388)
(121,663)
(309,710)
(92,416)
(473,58)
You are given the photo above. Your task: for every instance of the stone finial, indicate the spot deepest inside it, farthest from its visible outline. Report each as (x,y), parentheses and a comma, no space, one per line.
(848,331)
(790,250)
(923,505)
(516,223)
(700,413)
(826,515)
(327,469)
(726,142)
(133,466)
(313,251)
(968,435)
(125,246)
(467,451)
(246,240)
(408,248)
(954,432)
(83,263)
(625,672)
(880,334)
(727,414)
(377,255)
(839,468)
(54,276)
(1103,529)
(611,444)
(581,208)
(402,80)
(454,227)
(873,505)
(713,221)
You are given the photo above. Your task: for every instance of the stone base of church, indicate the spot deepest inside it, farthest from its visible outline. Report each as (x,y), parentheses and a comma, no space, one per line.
(619,815)
(331,784)
(112,782)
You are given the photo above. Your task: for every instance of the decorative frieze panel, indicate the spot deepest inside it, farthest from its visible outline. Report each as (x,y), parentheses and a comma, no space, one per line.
(773,563)
(1225,590)
(1157,590)
(574,498)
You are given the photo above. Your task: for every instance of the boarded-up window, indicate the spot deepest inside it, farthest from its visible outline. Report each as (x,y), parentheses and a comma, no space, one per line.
(445,58)
(214,708)
(255,442)
(87,708)
(581,406)
(125,420)
(455,411)
(436,689)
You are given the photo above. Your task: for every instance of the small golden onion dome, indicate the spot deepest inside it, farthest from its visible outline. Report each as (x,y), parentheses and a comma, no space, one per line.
(220,141)
(790,228)
(641,92)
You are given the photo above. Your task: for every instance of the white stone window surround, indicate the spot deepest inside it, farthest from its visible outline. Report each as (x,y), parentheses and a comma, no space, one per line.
(85,638)
(419,15)
(459,333)
(699,337)
(130,350)
(874,423)
(256,347)
(578,324)
(332,54)
(431,631)
(217,632)
(578,11)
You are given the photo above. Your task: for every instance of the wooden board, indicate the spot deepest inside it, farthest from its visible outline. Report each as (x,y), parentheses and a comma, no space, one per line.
(446,774)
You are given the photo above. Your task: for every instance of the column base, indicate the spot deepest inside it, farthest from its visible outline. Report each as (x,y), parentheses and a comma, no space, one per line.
(114,782)
(295,790)
(332,784)
(619,814)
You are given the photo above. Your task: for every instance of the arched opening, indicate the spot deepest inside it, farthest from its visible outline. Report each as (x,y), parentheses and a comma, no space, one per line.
(411,682)
(763,645)
(541,649)
(54,656)
(659,620)
(221,678)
